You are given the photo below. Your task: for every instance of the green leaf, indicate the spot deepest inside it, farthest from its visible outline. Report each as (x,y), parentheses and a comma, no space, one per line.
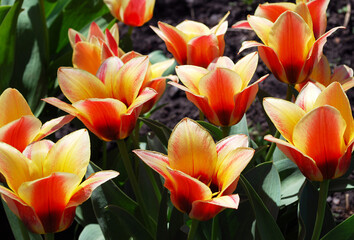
(241,127)
(213,130)
(161,131)
(8,43)
(344,231)
(3,11)
(266,225)
(91,232)
(161,232)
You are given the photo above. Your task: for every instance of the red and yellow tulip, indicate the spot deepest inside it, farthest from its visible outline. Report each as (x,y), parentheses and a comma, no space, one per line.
(90,52)
(221,91)
(289,47)
(200,174)
(18,126)
(131,12)
(45,181)
(109,103)
(192,42)
(319,129)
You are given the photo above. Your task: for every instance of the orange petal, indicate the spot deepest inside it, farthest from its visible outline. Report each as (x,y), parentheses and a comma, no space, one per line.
(224,62)
(224,146)
(190,76)
(75,37)
(261,26)
(202,50)
(322,72)
(77,84)
(52,126)
(95,31)
(303,11)
(159,85)
(14,105)
(107,73)
(306,164)
(319,134)
(61,105)
(87,56)
(308,96)
(159,68)
(246,67)
(207,209)
(157,161)
(272,11)
(344,161)
(319,17)
(192,150)
(285,115)
(342,73)
(134,12)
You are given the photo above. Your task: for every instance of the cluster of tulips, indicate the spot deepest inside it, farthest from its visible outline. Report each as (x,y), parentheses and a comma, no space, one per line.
(200,163)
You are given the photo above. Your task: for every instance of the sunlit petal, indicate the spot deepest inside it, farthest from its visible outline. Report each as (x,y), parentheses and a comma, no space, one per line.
(87,56)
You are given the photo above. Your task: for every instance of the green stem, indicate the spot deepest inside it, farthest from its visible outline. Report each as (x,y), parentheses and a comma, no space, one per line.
(193,229)
(153,181)
(320,209)
(104,155)
(289,93)
(272,147)
(133,181)
(49,236)
(214,228)
(130,31)
(225,131)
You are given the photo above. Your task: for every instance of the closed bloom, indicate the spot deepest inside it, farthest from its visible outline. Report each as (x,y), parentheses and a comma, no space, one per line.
(318,128)
(192,42)
(18,126)
(109,103)
(45,181)
(132,12)
(200,174)
(289,47)
(90,52)
(221,92)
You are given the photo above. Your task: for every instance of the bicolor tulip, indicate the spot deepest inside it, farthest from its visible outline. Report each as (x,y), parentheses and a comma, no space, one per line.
(272,11)
(221,92)
(131,12)
(289,47)
(44,181)
(18,126)
(322,76)
(192,42)
(90,52)
(108,104)
(200,174)
(318,129)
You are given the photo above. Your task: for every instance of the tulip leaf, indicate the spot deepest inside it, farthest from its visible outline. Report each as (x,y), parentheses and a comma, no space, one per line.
(344,231)
(161,131)
(3,11)
(154,143)
(129,223)
(266,225)
(241,127)
(161,232)
(84,214)
(8,42)
(213,130)
(91,232)
(307,212)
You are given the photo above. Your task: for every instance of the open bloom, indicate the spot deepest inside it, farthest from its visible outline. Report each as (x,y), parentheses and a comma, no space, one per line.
(289,47)
(200,174)
(131,12)
(44,181)
(221,91)
(109,103)
(90,52)
(272,11)
(18,126)
(192,42)
(319,129)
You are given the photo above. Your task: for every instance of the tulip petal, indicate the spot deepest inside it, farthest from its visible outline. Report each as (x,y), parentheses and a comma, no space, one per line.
(190,76)
(261,26)
(112,42)
(284,115)
(75,37)
(342,73)
(87,56)
(272,11)
(61,105)
(14,105)
(49,196)
(52,126)
(95,31)
(157,69)
(207,209)
(85,189)
(157,161)
(246,67)
(319,134)
(223,62)
(71,154)
(134,12)
(303,11)
(306,164)
(77,84)
(202,50)
(308,96)
(319,18)
(344,161)
(192,150)
(21,132)
(321,72)
(227,144)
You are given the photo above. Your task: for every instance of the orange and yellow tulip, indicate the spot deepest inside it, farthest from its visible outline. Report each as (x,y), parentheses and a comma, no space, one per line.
(44,181)
(18,126)
(192,42)
(88,54)
(131,12)
(272,11)
(289,47)
(319,129)
(200,174)
(221,91)
(110,103)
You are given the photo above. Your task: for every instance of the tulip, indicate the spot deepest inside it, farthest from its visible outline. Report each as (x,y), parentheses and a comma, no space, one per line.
(289,47)
(318,129)
(200,174)
(272,11)
(44,181)
(18,126)
(91,52)
(221,91)
(132,12)
(109,103)
(192,42)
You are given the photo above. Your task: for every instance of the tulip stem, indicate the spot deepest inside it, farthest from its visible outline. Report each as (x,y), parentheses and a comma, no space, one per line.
(193,229)
(272,147)
(320,209)
(49,236)
(225,131)
(214,225)
(133,181)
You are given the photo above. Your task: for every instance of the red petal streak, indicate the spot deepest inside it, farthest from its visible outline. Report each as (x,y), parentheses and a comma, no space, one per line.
(201,51)
(134,13)
(271,60)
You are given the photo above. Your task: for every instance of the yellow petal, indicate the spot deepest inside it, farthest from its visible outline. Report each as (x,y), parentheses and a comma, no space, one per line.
(193,29)
(159,68)
(261,26)
(190,76)
(308,96)
(246,67)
